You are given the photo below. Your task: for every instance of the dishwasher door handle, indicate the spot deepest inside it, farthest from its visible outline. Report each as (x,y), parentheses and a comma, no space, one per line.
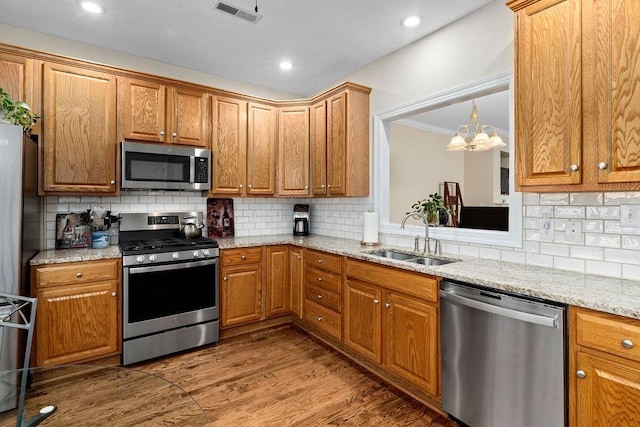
(501,311)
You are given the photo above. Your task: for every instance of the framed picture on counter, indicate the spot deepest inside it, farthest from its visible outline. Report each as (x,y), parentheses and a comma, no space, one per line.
(72,231)
(220,218)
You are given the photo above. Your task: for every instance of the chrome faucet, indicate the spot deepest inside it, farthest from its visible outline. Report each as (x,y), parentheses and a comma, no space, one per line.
(418,215)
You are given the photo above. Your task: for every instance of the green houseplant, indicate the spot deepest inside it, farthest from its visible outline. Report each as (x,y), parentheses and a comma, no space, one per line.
(429,207)
(16,112)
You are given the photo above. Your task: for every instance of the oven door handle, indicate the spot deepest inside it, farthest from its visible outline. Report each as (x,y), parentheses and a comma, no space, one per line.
(168,267)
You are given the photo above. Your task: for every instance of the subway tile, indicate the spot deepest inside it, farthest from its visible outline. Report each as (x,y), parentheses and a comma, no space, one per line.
(90,199)
(554,199)
(469,251)
(129,199)
(153,207)
(586,199)
(147,199)
(623,256)
(69,199)
(612,227)
(593,226)
(554,249)
(622,198)
(602,240)
(585,252)
(631,242)
(571,264)
(530,223)
(79,207)
(488,253)
(532,235)
(512,256)
(631,272)
(531,247)
(538,211)
(605,212)
(569,212)
(603,268)
(539,259)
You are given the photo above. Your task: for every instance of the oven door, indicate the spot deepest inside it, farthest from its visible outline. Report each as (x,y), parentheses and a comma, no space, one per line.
(162,297)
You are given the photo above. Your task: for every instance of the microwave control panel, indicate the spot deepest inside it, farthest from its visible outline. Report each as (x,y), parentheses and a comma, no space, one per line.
(202,169)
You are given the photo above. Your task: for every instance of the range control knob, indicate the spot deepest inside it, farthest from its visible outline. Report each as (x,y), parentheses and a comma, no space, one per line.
(196,254)
(175,255)
(153,257)
(206,252)
(140,259)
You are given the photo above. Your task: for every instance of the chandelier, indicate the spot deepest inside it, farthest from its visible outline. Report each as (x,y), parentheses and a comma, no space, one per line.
(481,141)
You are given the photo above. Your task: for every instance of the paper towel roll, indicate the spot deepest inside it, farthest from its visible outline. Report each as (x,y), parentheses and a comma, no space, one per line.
(370,234)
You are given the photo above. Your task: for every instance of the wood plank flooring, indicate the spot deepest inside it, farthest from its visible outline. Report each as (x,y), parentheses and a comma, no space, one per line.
(284,377)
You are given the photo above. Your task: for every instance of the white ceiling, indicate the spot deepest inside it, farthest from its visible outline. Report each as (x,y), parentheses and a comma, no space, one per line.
(326,40)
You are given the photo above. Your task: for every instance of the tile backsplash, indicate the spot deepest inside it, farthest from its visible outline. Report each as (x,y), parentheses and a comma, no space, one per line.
(605,247)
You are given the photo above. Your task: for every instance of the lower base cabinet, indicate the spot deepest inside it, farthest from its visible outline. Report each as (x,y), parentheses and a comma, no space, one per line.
(398,331)
(241,286)
(77,317)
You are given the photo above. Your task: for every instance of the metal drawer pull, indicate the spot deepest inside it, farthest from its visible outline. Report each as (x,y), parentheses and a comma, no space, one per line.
(113,294)
(225,278)
(581,374)
(319,319)
(78,274)
(319,261)
(319,279)
(602,166)
(319,296)
(243,257)
(627,343)
(574,168)
(387,305)
(174,134)
(376,301)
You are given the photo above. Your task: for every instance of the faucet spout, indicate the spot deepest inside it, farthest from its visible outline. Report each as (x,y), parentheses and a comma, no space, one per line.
(419,215)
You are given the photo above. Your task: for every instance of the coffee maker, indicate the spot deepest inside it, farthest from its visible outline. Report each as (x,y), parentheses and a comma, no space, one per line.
(301,220)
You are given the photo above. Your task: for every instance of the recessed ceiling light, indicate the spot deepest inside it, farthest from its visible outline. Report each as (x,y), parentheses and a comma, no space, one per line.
(92,7)
(286,65)
(411,20)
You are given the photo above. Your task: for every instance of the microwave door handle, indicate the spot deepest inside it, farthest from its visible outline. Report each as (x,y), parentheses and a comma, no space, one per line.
(192,169)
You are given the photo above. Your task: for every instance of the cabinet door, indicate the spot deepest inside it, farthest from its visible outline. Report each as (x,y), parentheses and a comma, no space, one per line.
(80,146)
(229,145)
(336,144)
(318,144)
(412,341)
(16,77)
(296,280)
(612,61)
(143,110)
(277,285)
(362,319)
(189,114)
(609,394)
(76,323)
(240,293)
(549,88)
(261,150)
(293,151)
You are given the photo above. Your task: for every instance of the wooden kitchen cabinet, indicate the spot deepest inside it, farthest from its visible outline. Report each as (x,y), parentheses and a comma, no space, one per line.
(156,112)
(577,95)
(277,281)
(241,286)
(296,280)
(340,143)
(322,305)
(391,318)
(16,78)
(293,151)
(80,149)
(244,147)
(78,313)
(604,369)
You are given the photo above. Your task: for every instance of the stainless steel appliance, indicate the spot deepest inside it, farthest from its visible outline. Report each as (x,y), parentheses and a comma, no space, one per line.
(503,358)
(165,167)
(301,220)
(20,225)
(170,286)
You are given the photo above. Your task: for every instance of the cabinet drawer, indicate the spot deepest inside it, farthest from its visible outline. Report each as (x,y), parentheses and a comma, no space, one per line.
(241,256)
(331,282)
(77,272)
(609,333)
(323,260)
(323,319)
(323,297)
(416,284)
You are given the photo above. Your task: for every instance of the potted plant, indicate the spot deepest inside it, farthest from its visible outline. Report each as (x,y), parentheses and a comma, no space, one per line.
(16,112)
(430,207)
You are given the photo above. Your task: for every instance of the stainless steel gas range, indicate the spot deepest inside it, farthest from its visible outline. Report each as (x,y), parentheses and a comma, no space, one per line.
(170,286)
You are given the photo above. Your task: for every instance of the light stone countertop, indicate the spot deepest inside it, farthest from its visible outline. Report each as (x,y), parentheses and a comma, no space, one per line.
(611,295)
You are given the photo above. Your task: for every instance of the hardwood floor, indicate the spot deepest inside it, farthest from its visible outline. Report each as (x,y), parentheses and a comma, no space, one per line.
(284,377)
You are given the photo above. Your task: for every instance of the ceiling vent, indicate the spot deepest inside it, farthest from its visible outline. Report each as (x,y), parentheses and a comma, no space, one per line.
(239,12)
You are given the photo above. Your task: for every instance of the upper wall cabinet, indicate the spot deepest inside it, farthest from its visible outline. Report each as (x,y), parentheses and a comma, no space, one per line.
(16,77)
(577,95)
(79,119)
(293,151)
(151,111)
(262,148)
(340,144)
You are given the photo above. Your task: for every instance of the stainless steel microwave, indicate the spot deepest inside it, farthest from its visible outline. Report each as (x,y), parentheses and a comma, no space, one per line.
(165,167)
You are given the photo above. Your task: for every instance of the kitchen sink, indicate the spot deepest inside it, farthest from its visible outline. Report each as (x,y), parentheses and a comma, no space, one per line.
(392,254)
(430,261)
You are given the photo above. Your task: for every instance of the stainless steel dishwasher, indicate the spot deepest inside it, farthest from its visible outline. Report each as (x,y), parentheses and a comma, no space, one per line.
(503,358)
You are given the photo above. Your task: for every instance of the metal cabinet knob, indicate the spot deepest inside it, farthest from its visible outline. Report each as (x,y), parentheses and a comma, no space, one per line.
(319,261)
(112,182)
(299,257)
(240,186)
(174,134)
(328,185)
(162,133)
(627,343)
(224,278)
(602,166)
(319,279)
(113,294)
(322,186)
(306,187)
(580,374)
(319,319)
(78,274)
(249,186)
(376,301)
(387,305)
(319,296)
(574,168)
(243,257)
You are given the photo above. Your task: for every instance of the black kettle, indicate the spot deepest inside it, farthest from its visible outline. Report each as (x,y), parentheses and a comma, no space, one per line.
(190,228)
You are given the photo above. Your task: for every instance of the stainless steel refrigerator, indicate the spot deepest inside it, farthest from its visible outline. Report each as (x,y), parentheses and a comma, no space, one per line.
(20,225)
